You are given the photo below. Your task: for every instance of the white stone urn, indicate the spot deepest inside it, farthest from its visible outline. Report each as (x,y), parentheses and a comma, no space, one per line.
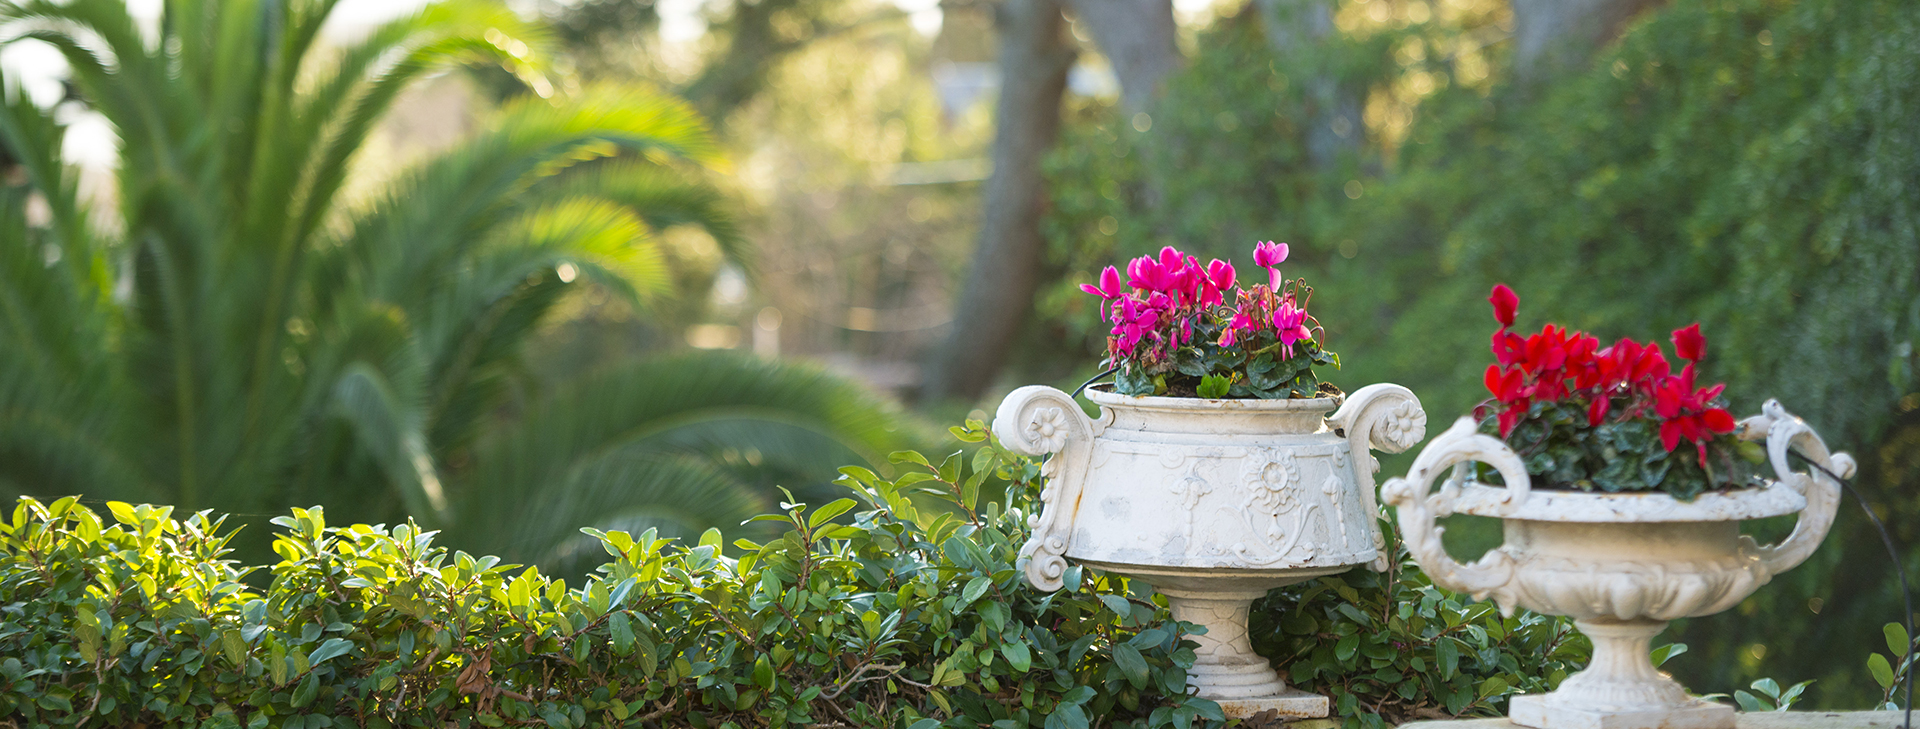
(1621,565)
(1213,502)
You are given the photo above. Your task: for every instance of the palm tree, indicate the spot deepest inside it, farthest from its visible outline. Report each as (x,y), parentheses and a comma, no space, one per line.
(237,336)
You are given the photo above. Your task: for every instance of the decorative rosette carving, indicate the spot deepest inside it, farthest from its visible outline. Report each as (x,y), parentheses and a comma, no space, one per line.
(1041,421)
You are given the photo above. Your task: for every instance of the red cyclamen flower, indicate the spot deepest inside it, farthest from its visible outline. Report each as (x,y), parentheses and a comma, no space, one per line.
(1505,303)
(1689,344)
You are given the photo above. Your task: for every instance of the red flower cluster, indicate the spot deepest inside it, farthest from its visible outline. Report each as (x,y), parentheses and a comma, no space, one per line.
(1556,365)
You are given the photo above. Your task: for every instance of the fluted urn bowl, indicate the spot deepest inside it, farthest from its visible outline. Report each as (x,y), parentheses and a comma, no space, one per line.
(1213,502)
(1621,565)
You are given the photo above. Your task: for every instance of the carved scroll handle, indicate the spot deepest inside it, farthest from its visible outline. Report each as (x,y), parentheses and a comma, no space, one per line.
(1382,417)
(1783,431)
(1041,421)
(1460,444)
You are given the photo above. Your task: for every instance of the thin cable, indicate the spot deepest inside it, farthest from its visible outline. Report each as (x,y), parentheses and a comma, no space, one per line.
(1900,570)
(1091,380)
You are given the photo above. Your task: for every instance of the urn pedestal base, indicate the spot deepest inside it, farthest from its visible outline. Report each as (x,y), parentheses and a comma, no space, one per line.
(1620,689)
(1225,668)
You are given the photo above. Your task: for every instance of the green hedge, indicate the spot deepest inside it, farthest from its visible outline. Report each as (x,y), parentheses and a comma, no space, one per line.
(898,607)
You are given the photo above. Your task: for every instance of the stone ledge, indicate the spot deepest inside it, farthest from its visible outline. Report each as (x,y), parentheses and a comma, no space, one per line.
(1757,720)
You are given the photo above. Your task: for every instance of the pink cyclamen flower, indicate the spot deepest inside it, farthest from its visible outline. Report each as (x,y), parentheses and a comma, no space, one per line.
(1241,322)
(1289,324)
(1110,285)
(1268,255)
(1219,279)
(1131,323)
(1146,274)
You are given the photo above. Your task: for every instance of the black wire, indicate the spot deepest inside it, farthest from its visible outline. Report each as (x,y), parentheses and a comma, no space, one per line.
(1900,570)
(1091,380)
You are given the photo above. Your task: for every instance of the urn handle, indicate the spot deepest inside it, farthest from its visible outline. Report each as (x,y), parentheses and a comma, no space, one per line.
(1783,431)
(1458,446)
(1379,417)
(1039,421)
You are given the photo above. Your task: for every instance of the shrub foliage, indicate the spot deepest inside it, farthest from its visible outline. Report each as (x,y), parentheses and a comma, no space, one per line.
(900,606)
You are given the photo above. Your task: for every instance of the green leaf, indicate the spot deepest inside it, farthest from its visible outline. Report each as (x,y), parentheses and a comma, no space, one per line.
(1493,686)
(620,630)
(1214,386)
(828,512)
(974,589)
(1449,656)
(763,673)
(1067,716)
(1793,693)
(1897,640)
(1131,663)
(1664,653)
(1750,703)
(1017,656)
(333,647)
(1345,649)
(309,688)
(1881,670)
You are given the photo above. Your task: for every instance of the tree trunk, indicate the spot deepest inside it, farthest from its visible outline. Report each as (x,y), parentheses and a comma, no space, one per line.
(1034,58)
(1138,38)
(1555,36)
(1296,29)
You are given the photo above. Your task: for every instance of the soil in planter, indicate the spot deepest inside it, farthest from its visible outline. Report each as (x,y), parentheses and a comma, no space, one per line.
(1185,389)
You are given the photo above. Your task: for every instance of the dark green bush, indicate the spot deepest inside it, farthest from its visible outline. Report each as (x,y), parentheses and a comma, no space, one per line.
(1393,648)
(903,615)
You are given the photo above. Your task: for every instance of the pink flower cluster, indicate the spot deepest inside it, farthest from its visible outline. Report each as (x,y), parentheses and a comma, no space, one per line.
(1171,292)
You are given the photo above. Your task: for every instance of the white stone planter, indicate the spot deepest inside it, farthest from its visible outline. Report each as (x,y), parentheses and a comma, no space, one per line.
(1213,502)
(1620,565)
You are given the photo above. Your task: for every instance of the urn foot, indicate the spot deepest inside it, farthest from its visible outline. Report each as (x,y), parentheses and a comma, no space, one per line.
(1225,668)
(1620,689)
(1539,711)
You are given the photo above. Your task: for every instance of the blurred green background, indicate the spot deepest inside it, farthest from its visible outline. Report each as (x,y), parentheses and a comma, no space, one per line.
(513,270)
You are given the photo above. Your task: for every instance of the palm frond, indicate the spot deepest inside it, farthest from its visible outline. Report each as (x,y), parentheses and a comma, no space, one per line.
(670,406)
(662,196)
(681,495)
(388,423)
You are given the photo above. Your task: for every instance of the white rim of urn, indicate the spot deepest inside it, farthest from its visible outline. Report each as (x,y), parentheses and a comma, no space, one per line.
(1099,394)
